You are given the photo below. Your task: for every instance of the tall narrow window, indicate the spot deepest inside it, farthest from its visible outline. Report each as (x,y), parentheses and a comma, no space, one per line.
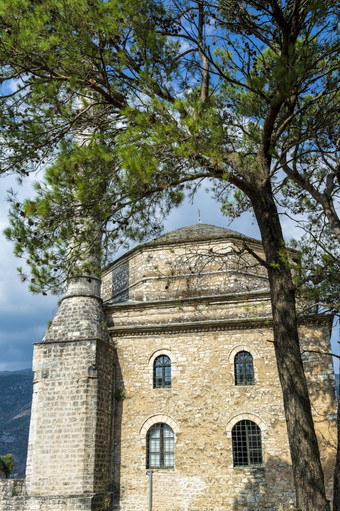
(160,446)
(244,368)
(247,445)
(162,372)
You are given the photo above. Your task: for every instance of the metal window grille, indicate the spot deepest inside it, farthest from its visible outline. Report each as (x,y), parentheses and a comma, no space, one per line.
(162,372)
(244,368)
(247,445)
(160,446)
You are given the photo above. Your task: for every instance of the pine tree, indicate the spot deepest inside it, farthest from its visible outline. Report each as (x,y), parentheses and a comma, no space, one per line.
(175,92)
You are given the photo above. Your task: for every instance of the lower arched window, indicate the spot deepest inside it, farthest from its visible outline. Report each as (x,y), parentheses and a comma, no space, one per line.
(160,446)
(244,368)
(247,445)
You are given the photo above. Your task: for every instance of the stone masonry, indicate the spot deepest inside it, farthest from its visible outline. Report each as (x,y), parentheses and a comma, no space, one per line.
(69,452)
(199,297)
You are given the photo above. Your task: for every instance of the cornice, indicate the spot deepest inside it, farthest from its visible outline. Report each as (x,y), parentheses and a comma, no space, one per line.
(79,340)
(262,294)
(211,325)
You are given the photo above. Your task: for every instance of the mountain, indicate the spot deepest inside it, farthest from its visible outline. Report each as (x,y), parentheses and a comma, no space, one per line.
(19,371)
(15,410)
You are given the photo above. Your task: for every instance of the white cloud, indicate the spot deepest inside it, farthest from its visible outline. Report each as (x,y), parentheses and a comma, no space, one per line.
(23,316)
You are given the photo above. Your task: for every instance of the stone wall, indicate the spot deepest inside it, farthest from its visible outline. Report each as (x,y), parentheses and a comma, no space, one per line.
(12,494)
(70,432)
(62,393)
(13,497)
(189,269)
(318,364)
(200,304)
(201,407)
(69,452)
(237,308)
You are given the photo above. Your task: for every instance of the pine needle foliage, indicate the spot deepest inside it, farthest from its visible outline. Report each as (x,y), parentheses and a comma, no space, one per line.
(7,464)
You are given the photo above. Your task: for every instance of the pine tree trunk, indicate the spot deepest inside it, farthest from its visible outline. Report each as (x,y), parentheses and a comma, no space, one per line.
(336,499)
(307,469)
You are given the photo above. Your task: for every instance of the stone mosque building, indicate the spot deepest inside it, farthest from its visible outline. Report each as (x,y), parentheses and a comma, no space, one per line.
(160,390)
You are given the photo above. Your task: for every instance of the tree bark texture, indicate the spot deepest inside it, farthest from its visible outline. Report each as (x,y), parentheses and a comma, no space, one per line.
(336,498)
(304,449)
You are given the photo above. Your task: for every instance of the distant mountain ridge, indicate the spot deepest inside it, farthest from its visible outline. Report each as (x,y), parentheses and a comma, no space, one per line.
(15,411)
(19,371)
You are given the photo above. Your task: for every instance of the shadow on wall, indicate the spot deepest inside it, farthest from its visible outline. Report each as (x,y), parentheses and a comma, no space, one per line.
(261,486)
(268,487)
(118,396)
(322,391)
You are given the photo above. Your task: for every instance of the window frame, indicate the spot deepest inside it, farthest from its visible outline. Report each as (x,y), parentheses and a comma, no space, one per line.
(244,373)
(163,453)
(247,448)
(165,381)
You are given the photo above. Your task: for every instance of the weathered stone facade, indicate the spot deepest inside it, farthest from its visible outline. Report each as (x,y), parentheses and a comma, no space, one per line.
(12,494)
(69,451)
(198,297)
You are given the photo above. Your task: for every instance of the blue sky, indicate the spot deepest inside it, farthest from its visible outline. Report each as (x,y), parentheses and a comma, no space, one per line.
(24,317)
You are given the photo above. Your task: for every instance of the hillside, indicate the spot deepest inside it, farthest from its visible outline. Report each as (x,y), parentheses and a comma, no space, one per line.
(15,410)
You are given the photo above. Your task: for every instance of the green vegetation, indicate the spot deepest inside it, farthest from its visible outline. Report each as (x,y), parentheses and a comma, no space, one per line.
(131,105)
(7,464)
(120,395)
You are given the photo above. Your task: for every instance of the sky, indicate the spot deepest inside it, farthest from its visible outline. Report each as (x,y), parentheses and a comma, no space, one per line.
(24,316)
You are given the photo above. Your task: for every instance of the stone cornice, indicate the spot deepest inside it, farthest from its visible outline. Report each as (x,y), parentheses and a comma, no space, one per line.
(261,294)
(80,295)
(211,325)
(75,341)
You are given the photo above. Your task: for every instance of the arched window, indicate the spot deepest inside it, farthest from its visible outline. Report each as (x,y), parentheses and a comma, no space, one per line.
(160,446)
(247,445)
(244,368)
(162,372)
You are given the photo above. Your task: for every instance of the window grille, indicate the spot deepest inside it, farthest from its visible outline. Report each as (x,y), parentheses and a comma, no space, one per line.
(162,372)
(247,445)
(244,368)
(160,447)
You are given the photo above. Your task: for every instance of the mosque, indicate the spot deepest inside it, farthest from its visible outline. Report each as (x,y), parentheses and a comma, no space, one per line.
(157,388)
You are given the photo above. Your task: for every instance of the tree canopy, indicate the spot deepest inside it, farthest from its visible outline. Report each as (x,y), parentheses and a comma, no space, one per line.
(135,101)
(172,92)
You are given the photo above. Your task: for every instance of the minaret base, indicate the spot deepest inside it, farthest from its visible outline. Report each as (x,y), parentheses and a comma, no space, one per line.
(69,453)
